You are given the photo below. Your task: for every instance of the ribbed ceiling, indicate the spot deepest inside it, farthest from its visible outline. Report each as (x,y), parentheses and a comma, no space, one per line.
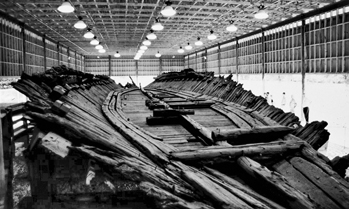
(122,25)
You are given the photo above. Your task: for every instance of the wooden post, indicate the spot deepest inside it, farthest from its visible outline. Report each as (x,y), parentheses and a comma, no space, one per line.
(196,61)
(76,62)
(205,60)
(136,71)
(219,59)
(58,55)
(263,54)
(109,64)
(44,42)
(2,170)
(6,156)
(24,49)
(237,59)
(303,64)
(160,65)
(68,54)
(2,73)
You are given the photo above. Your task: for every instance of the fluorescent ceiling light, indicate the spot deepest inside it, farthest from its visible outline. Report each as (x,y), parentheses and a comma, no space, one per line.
(168,11)
(157,25)
(143,47)
(212,36)
(89,34)
(117,54)
(80,24)
(198,42)
(99,46)
(180,50)
(158,54)
(66,7)
(151,35)
(101,51)
(231,27)
(94,41)
(188,47)
(146,42)
(261,14)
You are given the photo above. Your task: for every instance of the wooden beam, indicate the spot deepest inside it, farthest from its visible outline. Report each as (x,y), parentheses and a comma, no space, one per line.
(109,65)
(3,184)
(263,54)
(24,69)
(58,54)
(44,42)
(76,62)
(237,59)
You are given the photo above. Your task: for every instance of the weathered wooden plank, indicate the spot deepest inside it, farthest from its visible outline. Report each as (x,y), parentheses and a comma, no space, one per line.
(300,182)
(56,144)
(219,195)
(256,134)
(231,153)
(322,180)
(276,183)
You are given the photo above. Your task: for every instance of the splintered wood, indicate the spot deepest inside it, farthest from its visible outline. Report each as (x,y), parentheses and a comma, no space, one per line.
(189,140)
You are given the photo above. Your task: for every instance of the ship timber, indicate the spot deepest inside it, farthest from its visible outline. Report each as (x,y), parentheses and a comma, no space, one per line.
(188,140)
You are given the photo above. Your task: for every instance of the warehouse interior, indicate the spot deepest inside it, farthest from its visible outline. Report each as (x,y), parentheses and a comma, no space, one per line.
(293,53)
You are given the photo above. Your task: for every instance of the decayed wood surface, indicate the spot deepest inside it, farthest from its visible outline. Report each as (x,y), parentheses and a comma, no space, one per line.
(107,123)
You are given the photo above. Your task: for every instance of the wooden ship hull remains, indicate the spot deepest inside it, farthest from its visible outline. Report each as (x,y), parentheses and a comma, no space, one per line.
(187,140)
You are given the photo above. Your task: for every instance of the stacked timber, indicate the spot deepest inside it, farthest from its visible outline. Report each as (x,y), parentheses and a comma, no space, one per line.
(195,166)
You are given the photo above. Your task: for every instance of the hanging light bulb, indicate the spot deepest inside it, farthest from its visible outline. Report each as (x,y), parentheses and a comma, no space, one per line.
(94,41)
(168,11)
(117,54)
(80,24)
(158,54)
(88,34)
(198,42)
(180,50)
(157,25)
(261,14)
(101,51)
(99,46)
(146,42)
(212,36)
(66,7)
(151,35)
(143,47)
(188,47)
(231,27)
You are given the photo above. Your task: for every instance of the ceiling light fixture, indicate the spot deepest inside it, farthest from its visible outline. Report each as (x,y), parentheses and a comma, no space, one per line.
(158,54)
(146,42)
(180,50)
(66,7)
(143,47)
(212,36)
(198,42)
(88,34)
(94,41)
(80,24)
(141,51)
(101,51)
(231,27)
(151,35)
(168,11)
(99,46)
(157,25)
(188,47)
(261,14)
(117,54)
